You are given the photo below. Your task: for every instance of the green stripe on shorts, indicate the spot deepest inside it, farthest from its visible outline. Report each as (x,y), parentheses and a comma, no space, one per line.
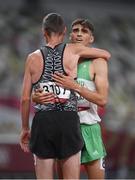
(93,145)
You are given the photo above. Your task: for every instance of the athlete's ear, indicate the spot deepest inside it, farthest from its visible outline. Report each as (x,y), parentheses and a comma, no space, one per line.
(91,39)
(46,36)
(70,37)
(44,32)
(65,30)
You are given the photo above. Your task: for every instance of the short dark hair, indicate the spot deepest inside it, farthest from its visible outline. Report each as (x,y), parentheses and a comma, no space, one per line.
(53,22)
(85,23)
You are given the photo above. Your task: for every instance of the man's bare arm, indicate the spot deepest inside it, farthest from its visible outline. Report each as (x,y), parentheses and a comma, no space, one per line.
(26,95)
(99,96)
(87,52)
(25,107)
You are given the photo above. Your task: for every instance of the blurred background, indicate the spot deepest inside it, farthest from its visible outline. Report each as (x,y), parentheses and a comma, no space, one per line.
(20,34)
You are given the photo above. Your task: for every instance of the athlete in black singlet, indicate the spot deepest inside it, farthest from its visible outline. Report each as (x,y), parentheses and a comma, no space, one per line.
(55,131)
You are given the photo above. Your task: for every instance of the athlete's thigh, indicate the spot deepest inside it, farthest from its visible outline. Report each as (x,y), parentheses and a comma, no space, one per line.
(71,167)
(44,168)
(95,169)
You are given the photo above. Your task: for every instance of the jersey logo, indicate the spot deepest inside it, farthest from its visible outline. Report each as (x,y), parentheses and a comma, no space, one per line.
(81,101)
(102,163)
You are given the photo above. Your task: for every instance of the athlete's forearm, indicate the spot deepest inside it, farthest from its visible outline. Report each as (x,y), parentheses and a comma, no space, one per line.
(95,53)
(91,96)
(100,53)
(25,108)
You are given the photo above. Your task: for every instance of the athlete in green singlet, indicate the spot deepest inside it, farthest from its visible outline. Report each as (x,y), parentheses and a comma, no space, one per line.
(89,118)
(93,78)
(92,89)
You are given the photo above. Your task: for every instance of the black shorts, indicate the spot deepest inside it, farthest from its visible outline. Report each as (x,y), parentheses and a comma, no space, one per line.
(55,134)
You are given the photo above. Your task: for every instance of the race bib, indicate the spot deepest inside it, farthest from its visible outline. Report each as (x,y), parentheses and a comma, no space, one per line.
(57,90)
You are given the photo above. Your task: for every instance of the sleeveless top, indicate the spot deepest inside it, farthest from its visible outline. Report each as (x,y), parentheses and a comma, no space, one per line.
(53,62)
(89,116)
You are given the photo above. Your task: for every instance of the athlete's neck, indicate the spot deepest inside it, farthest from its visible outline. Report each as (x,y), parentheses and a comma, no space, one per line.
(54,40)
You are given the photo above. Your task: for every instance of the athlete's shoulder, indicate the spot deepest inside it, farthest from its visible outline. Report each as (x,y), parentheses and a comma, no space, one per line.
(34,55)
(75,47)
(100,65)
(99,61)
